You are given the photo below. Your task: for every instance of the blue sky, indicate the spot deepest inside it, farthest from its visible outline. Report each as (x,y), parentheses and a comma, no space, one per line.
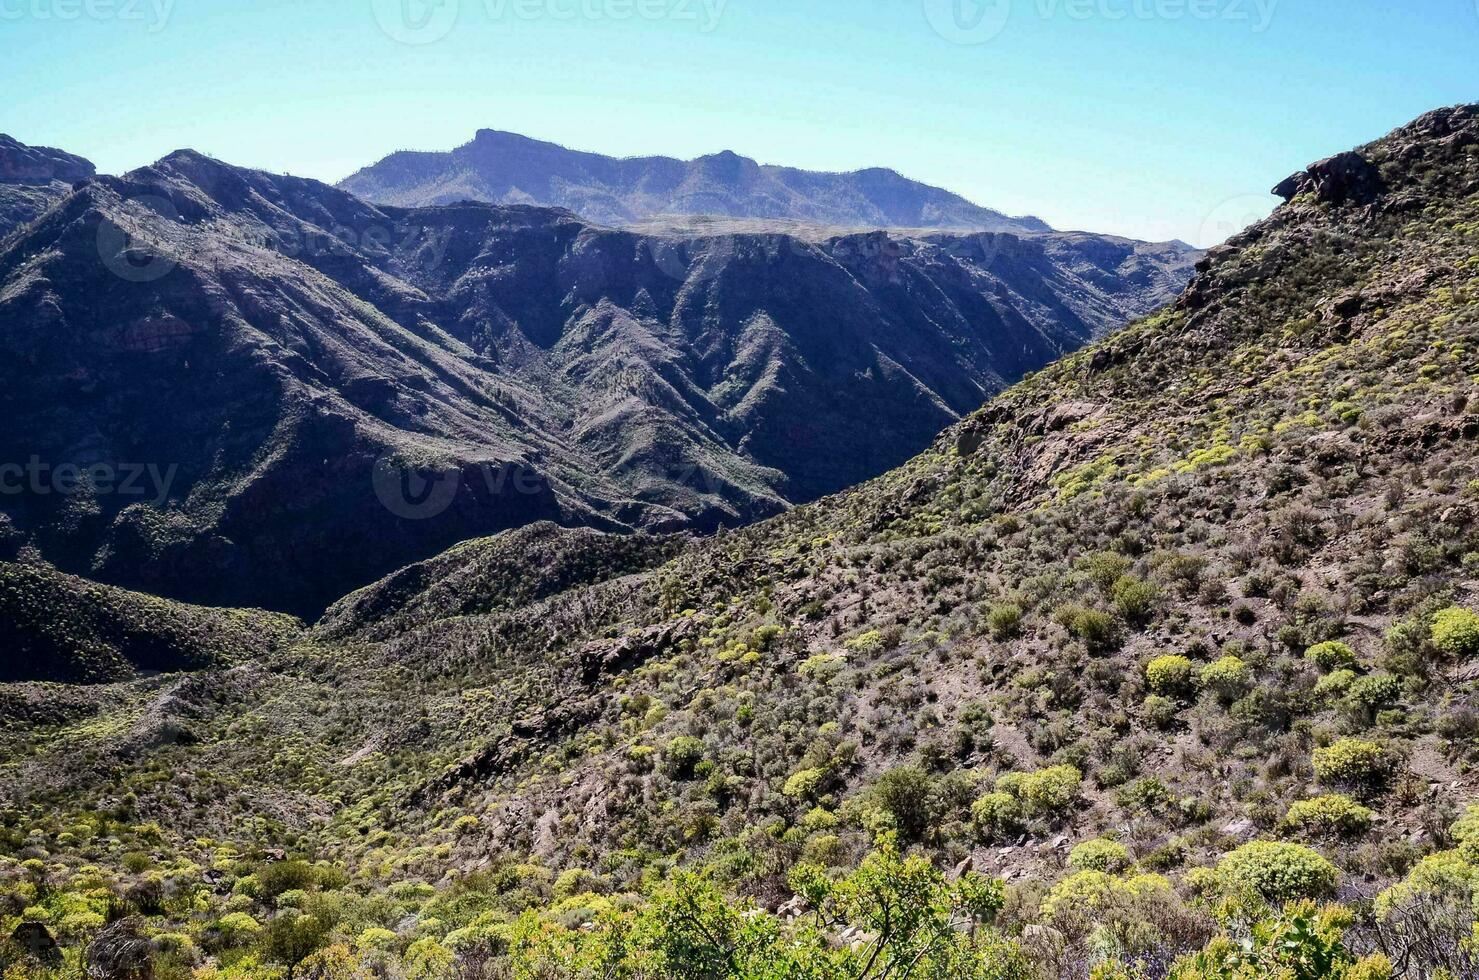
(1151,118)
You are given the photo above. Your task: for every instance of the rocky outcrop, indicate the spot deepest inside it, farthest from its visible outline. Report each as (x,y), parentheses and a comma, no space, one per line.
(1346,178)
(32,178)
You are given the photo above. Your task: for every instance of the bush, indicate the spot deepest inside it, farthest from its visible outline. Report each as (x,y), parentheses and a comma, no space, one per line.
(1099,855)
(1228,678)
(998,814)
(1005,621)
(681,756)
(1046,793)
(1352,762)
(1169,675)
(1149,796)
(1134,598)
(804,784)
(907,795)
(1331,655)
(1375,691)
(1456,632)
(1333,815)
(1278,871)
(284,876)
(1335,684)
(1160,712)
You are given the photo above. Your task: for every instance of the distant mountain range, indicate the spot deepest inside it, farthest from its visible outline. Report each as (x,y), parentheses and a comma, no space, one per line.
(506,168)
(284,355)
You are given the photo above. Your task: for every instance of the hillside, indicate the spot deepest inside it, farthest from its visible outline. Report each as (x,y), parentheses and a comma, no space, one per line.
(506,168)
(1178,629)
(287,367)
(57,627)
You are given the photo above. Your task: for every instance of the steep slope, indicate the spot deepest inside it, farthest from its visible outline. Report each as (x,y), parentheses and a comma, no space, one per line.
(1218,571)
(505,168)
(317,390)
(32,178)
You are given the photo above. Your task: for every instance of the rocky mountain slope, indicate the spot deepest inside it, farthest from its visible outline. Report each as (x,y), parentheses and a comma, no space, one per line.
(1168,634)
(236,388)
(505,168)
(32,178)
(1183,623)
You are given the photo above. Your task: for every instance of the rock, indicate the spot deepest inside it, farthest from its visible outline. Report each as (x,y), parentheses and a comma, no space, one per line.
(37,941)
(1344,178)
(120,952)
(964,867)
(1238,828)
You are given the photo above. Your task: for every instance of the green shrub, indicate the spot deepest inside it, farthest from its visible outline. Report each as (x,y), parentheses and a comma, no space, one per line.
(1375,691)
(998,814)
(1005,620)
(1095,627)
(283,876)
(906,794)
(1160,712)
(681,756)
(1456,632)
(1352,762)
(1099,855)
(1466,829)
(1279,871)
(804,784)
(1134,598)
(1149,796)
(1330,655)
(1046,793)
(1335,684)
(1228,678)
(1332,815)
(1169,675)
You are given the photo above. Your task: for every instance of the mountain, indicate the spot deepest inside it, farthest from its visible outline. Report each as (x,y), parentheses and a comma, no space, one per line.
(505,168)
(1174,631)
(235,388)
(32,178)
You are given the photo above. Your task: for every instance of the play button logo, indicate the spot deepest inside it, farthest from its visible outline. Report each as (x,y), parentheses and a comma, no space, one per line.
(967,21)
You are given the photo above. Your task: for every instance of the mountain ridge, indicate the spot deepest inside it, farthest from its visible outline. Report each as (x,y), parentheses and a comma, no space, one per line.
(1164,663)
(285,345)
(504,167)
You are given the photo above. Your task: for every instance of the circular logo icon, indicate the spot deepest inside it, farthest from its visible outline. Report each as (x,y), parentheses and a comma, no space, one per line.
(1232,216)
(415,21)
(412,492)
(969,21)
(128,254)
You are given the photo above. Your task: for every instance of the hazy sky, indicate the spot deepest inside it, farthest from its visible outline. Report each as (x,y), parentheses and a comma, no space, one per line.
(1151,118)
